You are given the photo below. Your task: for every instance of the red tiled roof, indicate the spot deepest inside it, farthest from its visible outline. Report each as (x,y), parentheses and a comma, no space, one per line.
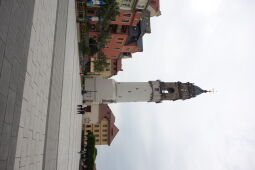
(105,112)
(155,5)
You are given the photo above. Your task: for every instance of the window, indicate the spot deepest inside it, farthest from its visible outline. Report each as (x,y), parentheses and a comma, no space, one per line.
(105,125)
(107,69)
(120,38)
(105,135)
(127,15)
(97,140)
(105,140)
(170,90)
(116,48)
(96,125)
(88,126)
(125,20)
(96,130)
(156,89)
(119,42)
(164,91)
(140,6)
(105,130)
(125,5)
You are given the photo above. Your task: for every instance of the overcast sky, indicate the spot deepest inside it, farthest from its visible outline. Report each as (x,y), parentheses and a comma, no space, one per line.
(207,42)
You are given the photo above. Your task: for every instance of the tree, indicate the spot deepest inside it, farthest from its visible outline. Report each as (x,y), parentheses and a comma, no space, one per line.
(108,13)
(101,62)
(91,151)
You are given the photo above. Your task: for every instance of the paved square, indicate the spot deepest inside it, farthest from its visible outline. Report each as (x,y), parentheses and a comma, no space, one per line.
(39,85)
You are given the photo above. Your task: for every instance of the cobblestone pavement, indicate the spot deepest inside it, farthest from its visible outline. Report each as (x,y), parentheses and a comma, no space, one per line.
(38,68)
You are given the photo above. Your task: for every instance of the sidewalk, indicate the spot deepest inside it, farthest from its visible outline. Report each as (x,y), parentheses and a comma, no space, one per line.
(31,74)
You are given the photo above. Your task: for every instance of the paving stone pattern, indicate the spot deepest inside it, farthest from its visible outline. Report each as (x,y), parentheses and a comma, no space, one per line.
(70,122)
(32,123)
(15,31)
(36,79)
(54,109)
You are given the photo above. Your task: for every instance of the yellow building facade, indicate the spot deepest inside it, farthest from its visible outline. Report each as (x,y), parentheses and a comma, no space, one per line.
(105,130)
(114,65)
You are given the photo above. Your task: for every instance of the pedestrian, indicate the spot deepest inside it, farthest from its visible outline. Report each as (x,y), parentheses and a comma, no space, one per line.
(81,112)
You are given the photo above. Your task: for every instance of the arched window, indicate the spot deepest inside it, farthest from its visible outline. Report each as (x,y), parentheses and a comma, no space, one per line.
(170,90)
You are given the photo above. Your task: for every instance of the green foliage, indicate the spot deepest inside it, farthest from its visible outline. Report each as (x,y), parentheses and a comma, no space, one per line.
(91,151)
(101,62)
(108,13)
(84,49)
(88,49)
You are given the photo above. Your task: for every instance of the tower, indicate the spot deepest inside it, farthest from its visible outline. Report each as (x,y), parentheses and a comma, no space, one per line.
(100,90)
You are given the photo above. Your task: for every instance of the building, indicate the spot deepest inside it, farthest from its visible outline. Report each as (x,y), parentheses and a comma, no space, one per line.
(92,115)
(99,90)
(126,31)
(125,39)
(132,4)
(125,17)
(113,67)
(105,130)
(154,8)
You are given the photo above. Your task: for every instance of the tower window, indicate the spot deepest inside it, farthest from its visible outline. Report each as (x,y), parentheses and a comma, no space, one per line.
(168,90)
(164,91)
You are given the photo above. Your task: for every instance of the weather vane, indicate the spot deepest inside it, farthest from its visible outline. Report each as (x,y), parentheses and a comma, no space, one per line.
(212,91)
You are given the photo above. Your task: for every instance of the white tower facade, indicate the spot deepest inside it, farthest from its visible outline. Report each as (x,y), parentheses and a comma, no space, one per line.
(133,92)
(99,90)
